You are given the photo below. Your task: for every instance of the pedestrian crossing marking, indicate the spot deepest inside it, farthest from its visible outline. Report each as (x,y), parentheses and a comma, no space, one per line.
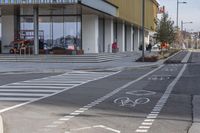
(26,86)
(16,99)
(31,90)
(22,94)
(27,90)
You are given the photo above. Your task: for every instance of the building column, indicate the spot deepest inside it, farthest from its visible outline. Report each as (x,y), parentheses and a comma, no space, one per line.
(8,31)
(36,30)
(136,39)
(109,35)
(132,38)
(129,38)
(121,36)
(147,38)
(90,33)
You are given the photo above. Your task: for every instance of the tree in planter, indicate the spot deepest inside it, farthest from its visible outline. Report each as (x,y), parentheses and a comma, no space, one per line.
(165,30)
(179,39)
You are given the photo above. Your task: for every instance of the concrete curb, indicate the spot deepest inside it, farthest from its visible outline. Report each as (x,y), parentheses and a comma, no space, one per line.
(195,127)
(1,124)
(156,64)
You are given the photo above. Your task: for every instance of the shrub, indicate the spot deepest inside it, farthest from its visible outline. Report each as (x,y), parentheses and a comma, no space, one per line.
(152,58)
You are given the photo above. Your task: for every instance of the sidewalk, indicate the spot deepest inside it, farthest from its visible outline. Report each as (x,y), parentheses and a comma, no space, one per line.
(126,62)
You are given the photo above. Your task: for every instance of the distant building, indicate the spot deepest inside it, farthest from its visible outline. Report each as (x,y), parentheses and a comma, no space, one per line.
(94,24)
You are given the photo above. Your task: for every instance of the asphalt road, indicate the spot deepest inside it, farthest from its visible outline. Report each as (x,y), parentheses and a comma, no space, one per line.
(145,100)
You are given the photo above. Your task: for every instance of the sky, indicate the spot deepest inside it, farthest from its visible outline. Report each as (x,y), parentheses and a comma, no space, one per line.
(187,12)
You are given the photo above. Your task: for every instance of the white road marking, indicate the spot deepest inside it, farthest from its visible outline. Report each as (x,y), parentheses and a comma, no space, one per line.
(41,84)
(148,120)
(74,113)
(64,82)
(162,100)
(145,127)
(17,99)
(27,90)
(110,129)
(141,92)
(83,128)
(186,58)
(147,123)
(141,131)
(97,126)
(18,91)
(79,111)
(159,77)
(22,94)
(68,116)
(41,87)
(103,98)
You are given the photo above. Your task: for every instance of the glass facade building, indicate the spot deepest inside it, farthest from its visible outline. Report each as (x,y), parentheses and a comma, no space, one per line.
(88,25)
(57,28)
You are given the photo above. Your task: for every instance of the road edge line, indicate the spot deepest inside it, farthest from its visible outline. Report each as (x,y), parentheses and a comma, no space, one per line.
(186,58)
(161,102)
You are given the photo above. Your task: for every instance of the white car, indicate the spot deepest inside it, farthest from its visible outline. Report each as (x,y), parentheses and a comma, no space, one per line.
(155,48)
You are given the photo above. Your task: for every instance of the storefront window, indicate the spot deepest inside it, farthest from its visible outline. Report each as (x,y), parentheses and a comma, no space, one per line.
(61,31)
(72,32)
(26,28)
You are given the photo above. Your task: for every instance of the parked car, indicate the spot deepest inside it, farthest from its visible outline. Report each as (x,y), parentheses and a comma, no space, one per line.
(156,47)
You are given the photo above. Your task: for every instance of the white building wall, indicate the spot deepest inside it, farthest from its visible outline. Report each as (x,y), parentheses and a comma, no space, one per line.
(121,36)
(8,31)
(132,39)
(109,35)
(90,33)
(147,38)
(136,39)
(129,38)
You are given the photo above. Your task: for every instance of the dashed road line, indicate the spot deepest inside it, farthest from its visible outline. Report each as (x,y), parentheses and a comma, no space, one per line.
(103,98)
(150,119)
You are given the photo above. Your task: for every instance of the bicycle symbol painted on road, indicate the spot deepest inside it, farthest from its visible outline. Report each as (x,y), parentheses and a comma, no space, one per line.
(127,102)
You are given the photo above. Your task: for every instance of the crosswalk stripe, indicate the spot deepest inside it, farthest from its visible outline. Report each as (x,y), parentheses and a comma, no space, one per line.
(16,99)
(41,87)
(63,80)
(23,94)
(27,90)
(41,84)
(30,90)
(72,78)
(60,82)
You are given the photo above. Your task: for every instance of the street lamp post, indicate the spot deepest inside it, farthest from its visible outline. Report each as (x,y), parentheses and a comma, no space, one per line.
(177,13)
(143,20)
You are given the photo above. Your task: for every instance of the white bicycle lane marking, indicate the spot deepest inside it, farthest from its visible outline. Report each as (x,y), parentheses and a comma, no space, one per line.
(81,110)
(148,122)
(127,102)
